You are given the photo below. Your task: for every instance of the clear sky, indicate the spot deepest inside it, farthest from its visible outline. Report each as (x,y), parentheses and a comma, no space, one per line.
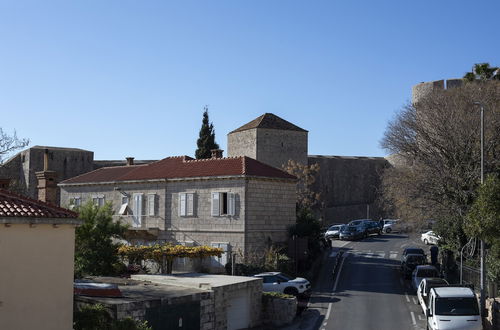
(131,78)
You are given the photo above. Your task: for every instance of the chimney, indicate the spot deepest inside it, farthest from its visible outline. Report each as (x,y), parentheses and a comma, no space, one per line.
(130,161)
(216,153)
(47,186)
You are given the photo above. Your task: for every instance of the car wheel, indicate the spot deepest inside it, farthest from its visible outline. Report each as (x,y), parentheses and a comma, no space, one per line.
(426,242)
(291,291)
(388,230)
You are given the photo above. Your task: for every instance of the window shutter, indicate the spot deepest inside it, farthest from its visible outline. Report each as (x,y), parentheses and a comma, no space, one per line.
(138,209)
(190,204)
(152,204)
(182,204)
(215,204)
(230,204)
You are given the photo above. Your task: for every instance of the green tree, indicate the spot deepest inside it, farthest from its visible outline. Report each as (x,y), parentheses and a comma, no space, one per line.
(483,71)
(95,251)
(206,141)
(483,221)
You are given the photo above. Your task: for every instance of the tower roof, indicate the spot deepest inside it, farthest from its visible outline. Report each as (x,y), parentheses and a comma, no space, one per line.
(269,120)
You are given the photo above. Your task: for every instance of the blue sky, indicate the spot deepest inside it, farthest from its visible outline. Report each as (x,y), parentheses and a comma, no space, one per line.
(131,78)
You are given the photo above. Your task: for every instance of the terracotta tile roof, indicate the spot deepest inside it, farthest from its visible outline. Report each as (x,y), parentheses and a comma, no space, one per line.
(13,205)
(182,167)
(269,120)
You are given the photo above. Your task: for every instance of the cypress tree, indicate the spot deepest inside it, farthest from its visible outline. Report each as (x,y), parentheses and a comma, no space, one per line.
(206,141)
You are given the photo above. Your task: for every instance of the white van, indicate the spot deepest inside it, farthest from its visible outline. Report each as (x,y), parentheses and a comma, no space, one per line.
(453,308)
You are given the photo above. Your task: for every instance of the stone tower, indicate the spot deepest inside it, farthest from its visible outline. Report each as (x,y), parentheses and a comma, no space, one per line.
(269,139)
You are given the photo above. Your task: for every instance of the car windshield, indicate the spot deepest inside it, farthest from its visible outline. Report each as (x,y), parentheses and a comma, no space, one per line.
(416,259)
(414,251)
(334,228)
(456,306)
(429,272)
(285,277)
(355,223)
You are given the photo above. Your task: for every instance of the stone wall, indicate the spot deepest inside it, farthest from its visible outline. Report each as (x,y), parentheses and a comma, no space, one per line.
(67,162)
(423,89)
(278,312)
(347,185)
(242,144)
(270,211)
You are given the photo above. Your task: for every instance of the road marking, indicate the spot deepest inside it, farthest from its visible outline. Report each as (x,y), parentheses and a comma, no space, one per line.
(380,254)
(325,324)
(328,311)
(338,275)
(413,318)
(414,301)
(407,298)
(393,255)
(420,317)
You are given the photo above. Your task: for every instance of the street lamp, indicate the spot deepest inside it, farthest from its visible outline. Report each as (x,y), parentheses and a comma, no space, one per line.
(483,271)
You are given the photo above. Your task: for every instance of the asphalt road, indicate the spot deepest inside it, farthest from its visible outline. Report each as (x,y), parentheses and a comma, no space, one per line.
(368,292)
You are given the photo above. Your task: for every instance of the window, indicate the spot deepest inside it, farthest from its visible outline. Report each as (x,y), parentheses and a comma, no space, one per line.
(98,200)
(124,208)
(151,204)
(137,210)
(75,202)
(223,203)
(186,204)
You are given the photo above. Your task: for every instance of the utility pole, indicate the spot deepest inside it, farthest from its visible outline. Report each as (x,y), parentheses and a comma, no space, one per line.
(482,298)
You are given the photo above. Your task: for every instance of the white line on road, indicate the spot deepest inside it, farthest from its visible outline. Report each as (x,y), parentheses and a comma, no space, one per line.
(420,317)
(407,298)
(413,318)
(393,255)
(414,300)
(338,274)
(328,311)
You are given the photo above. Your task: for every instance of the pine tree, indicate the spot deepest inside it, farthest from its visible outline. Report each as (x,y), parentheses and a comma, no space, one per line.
(206,141)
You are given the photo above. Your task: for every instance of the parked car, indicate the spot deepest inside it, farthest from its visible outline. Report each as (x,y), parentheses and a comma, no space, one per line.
(390,225)
(410,262)
(425,286)
(430,238)
(413,250)
(333,231)
(371,227)
(358,222)
(351,233)
(421,272)
(280,282)
(453,308)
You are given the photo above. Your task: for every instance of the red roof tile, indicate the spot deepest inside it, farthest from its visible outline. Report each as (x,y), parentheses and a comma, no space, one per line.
(182,167)
(13,205)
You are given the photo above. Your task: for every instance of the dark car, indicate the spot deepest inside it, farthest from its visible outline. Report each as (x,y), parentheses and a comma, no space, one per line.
(371,227)
(410,262)
(351,233)
(412,250)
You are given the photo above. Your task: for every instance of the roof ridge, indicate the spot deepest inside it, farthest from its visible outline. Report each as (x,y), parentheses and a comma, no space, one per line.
(37,202)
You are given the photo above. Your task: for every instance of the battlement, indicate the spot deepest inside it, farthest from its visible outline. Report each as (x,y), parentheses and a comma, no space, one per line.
(423,89)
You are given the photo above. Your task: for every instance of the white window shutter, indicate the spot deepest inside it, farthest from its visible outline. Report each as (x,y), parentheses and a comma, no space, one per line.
(182,204)
(138,210)
(190,204)
(230,204)
(215,204)
(151,204)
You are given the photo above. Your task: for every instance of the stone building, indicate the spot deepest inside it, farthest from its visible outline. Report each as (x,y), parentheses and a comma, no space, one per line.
(348,185)
(36,281)
(238,203)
